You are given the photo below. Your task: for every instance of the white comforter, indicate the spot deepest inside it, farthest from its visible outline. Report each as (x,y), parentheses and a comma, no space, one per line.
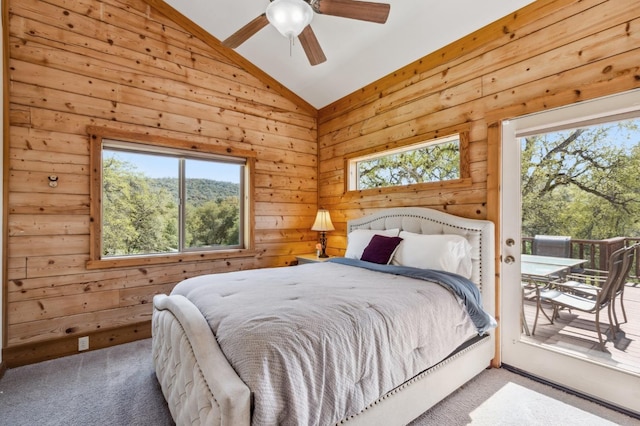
(318,342)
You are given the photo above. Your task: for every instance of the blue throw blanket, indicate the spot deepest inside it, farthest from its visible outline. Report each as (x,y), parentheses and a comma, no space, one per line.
(465,289)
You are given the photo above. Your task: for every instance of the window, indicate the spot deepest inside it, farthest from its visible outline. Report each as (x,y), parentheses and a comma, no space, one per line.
(161,200)
(433,161)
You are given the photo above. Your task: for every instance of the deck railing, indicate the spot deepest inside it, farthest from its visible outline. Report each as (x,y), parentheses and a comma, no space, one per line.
(597,252)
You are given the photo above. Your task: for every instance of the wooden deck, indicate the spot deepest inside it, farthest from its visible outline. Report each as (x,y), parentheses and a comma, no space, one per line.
(575,332)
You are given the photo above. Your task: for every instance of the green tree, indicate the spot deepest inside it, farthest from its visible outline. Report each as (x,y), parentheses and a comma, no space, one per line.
(582,182)
(214,223)
(429,164)
(135,219)
(140,214)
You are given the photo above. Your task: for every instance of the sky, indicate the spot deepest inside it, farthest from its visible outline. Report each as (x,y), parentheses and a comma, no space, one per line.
(623,137)
(157,166)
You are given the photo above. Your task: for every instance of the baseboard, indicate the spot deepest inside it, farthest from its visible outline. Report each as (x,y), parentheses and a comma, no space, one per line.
(42,351)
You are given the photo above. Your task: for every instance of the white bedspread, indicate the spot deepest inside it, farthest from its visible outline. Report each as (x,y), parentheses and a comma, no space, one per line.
(318,342)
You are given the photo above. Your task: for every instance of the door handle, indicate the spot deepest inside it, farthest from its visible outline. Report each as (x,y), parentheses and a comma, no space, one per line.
(509,260)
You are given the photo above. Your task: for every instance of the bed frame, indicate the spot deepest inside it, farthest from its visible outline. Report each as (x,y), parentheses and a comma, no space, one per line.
(201,387)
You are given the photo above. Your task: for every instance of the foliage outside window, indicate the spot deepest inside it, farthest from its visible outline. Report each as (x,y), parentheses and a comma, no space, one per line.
(582,181)
(433,161)
(163,201)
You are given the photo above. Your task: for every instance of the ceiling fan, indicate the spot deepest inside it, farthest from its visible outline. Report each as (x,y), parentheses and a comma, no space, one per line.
(292,18)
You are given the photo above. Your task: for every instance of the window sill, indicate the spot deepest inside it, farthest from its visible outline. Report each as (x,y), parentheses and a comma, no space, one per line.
(125,262)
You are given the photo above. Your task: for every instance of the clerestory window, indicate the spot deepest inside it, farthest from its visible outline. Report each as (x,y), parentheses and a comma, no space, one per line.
(426,162)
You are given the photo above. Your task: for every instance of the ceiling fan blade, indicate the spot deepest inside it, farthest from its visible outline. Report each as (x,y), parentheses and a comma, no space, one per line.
(361,10)
(244,33)
(311,46)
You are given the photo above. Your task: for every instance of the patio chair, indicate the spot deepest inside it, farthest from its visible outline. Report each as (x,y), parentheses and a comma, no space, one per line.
(551,245)
(587,297)
(619,291)
(585,282)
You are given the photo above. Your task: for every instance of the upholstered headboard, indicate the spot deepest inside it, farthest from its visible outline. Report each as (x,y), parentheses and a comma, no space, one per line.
(419,220)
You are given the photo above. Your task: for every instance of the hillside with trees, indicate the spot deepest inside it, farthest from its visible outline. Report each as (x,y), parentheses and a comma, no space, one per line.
(200,190)
(140,214)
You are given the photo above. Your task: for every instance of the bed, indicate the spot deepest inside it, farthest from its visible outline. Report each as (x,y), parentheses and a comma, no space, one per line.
(202,382)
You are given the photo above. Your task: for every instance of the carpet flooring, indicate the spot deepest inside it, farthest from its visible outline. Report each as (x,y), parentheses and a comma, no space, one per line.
(117,386)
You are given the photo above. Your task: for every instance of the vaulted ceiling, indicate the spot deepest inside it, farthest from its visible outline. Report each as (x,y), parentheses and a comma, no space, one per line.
(358,52)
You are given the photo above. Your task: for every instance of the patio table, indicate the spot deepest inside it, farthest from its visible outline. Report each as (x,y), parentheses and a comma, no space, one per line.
(540,270)
(541,264)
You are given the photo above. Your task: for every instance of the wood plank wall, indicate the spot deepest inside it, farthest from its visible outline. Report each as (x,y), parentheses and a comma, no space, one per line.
(121,64)
(548,54)
(124,65)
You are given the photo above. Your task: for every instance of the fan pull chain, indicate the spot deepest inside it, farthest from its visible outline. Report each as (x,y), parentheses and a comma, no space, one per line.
(290,46)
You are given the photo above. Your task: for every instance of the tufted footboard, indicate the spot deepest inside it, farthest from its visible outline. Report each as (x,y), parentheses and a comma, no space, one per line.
(197,381)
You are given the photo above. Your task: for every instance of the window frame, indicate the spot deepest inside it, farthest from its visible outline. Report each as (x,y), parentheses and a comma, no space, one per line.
(98,136)
(414,143)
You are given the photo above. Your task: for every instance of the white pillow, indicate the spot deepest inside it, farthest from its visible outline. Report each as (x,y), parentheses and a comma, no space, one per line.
(445,252)
(359,239)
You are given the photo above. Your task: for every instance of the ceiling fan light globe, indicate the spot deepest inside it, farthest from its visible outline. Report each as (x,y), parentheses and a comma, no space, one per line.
(289,17)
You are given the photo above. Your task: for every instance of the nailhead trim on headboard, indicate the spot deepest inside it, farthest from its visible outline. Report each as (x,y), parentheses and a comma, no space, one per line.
(365,221)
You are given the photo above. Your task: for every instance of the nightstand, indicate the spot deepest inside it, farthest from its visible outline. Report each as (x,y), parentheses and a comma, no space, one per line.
(311,258)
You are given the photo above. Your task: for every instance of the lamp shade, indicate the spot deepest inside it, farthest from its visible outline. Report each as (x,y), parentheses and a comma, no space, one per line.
(289,17)
(323,221)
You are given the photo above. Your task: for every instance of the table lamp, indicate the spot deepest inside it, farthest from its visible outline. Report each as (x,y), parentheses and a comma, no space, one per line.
(323,224)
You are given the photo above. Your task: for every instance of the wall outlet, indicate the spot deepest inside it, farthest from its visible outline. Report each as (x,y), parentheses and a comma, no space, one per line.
(83,343)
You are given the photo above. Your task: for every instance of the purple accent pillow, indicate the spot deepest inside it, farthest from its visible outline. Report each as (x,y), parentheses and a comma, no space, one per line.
(380,249)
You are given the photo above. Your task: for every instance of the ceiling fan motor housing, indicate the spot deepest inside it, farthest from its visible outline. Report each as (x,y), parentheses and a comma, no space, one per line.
(289,17)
